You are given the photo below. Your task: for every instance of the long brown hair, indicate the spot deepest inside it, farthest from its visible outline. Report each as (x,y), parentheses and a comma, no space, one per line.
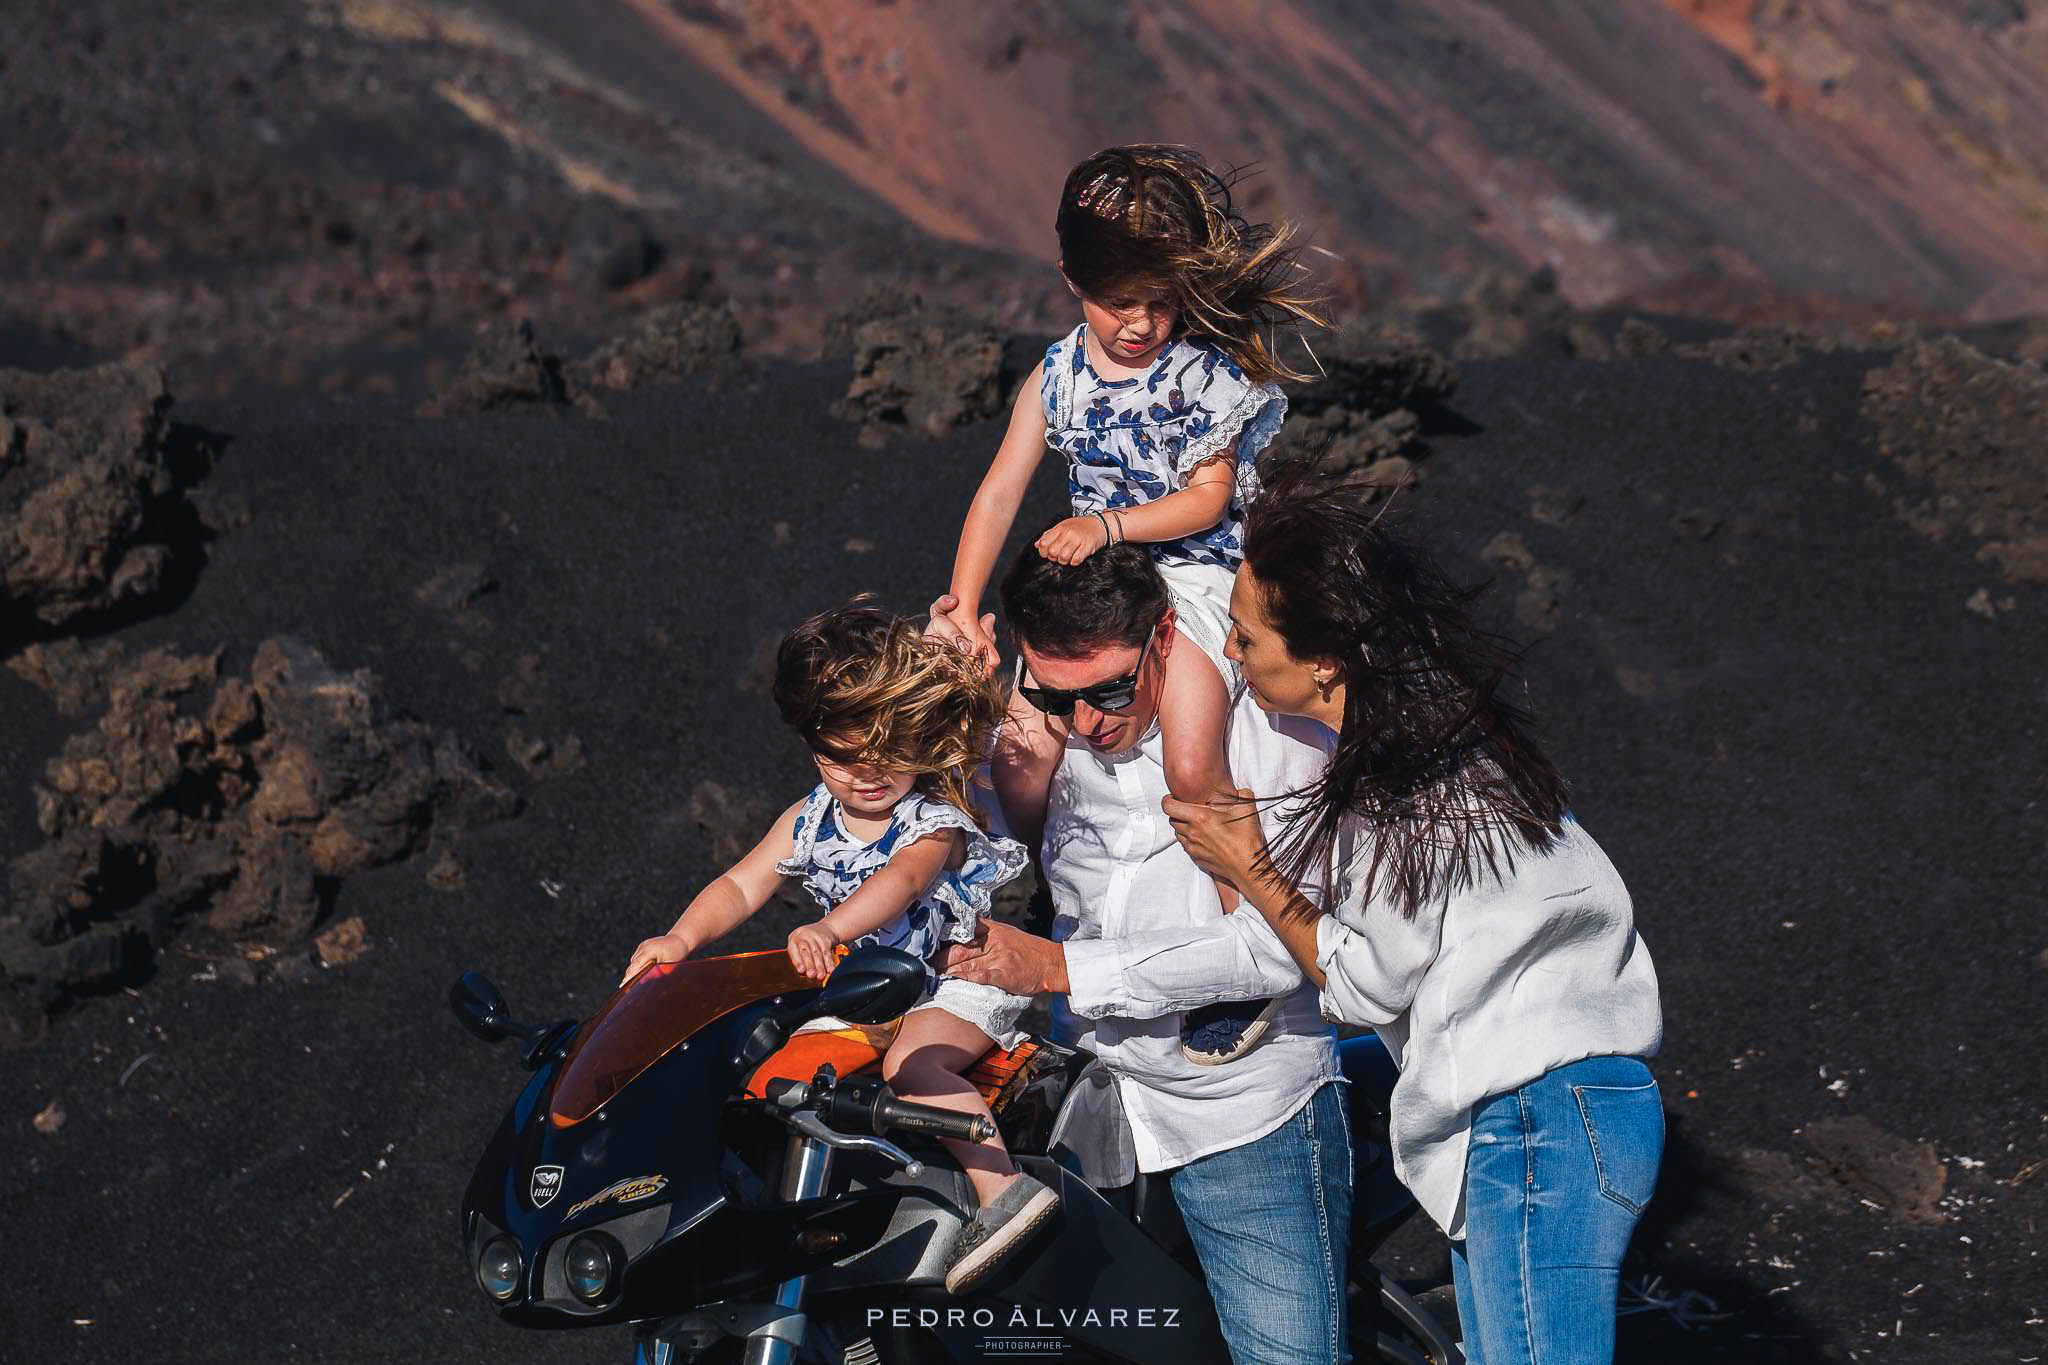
(1433,762)
(1159,215)
(862,685)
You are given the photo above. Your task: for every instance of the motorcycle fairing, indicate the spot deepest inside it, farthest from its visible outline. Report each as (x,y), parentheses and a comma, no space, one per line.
(656,1011)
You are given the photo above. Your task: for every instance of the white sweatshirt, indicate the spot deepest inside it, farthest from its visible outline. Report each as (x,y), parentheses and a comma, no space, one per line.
(1485,991)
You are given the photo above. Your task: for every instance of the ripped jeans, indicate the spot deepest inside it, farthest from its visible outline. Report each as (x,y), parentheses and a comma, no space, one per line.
(1557,1176)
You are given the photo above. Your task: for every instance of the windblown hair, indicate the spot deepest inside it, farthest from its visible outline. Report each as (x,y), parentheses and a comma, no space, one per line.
(1159,215)
(1113,597)
(1437,770)
(862,685)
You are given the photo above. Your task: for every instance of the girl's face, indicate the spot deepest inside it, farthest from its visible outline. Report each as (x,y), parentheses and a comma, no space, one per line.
(863,788)
(1279,682)
(1131,322)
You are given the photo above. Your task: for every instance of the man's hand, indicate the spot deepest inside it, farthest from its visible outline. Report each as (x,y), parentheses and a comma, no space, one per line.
(959,627)
(1073,540)
(1009,959)
(812,950)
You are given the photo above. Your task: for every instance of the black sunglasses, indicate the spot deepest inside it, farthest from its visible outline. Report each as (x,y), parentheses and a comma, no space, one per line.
(1118,694)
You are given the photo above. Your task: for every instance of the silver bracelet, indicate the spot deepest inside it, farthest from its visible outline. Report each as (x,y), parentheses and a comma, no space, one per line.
(1108,536)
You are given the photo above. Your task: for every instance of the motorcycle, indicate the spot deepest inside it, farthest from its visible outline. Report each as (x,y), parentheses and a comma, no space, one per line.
(712,1159)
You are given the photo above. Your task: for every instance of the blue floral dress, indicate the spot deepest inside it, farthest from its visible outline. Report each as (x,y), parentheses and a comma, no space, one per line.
(833,863)
(1133,441)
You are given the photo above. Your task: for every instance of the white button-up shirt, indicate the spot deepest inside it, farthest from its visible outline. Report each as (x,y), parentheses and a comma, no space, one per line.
(1146,938)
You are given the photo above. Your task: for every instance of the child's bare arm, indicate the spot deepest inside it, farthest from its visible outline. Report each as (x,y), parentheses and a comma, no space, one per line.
(995,505)
(887,893)
(725,904)
(1194,508)
(908,874)
(1194,720)
(1028,750)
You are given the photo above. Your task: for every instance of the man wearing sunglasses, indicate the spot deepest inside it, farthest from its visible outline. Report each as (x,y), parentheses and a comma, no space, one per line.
(1257,1151)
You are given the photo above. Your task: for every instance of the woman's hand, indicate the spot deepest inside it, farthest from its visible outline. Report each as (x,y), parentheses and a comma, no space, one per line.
(1222,836)
(813,949)
(958,626)
(1073,540)
(662,948)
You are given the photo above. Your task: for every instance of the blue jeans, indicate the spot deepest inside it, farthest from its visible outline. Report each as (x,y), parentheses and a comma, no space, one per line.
(1271,1221)
(1558,1174)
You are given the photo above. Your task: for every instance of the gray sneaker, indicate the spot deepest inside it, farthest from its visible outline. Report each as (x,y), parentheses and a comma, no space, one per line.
(999,1229)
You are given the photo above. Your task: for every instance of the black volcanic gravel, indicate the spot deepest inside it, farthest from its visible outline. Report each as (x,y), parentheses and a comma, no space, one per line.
(1820,773)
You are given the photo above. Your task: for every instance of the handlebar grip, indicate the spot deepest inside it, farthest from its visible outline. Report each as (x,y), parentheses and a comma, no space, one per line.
(924,1118)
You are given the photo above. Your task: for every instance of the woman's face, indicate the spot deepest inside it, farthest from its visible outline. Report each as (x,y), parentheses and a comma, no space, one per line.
(1278,681)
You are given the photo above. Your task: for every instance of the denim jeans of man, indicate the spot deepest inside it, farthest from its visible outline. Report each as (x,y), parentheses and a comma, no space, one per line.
(1271,1221)
(1557,1176)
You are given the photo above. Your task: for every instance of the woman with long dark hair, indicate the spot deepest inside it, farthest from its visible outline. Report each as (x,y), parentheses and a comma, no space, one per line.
(1464,914)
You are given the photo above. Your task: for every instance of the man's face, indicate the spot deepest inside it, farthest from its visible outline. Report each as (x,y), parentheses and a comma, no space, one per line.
(1107,732)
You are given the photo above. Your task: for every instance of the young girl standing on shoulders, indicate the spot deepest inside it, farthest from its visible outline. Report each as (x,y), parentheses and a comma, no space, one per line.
(1160,402)
(886,847)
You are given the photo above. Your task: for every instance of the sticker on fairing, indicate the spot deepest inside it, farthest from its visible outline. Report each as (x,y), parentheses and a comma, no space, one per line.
(624,1192)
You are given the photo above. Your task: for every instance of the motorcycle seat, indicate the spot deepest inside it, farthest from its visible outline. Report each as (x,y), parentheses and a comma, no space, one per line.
(853,1049)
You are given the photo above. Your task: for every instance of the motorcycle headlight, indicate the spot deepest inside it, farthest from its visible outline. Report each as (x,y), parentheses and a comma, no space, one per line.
(499,1268)
(592,1265)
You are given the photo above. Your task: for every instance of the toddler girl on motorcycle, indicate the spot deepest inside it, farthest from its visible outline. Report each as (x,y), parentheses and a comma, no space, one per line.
(886,847)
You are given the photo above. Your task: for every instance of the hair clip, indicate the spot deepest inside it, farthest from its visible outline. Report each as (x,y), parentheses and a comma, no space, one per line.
(1100,196)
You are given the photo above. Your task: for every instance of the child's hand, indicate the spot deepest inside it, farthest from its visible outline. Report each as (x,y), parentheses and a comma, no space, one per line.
(812,949)
(664,948)
(1073,540)
(956,624)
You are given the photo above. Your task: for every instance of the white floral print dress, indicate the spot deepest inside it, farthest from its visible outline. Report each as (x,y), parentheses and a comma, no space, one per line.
(1132,441)
(833,863)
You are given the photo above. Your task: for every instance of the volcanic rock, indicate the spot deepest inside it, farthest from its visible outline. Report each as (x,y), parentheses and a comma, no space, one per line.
(539,757)
(876,304)
(611,245)
(1357,416)
(1903,1177)
(1540,604)
(1758,348)
(1638,337)
(1504,312)
(1971,426)
(82,480)
(668,344)
(455,587)
(74,674)
(242,806)
(342,942)
(506,370)
(927,368)
(1377,368)
(446,872)
(523,689)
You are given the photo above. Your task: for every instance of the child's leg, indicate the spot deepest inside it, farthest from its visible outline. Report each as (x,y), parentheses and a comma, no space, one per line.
(1028,750)
(1194,721)
(925,1064)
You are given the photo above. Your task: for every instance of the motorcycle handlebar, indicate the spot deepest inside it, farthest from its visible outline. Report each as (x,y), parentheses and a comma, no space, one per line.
(866,1105)
(925,1118)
